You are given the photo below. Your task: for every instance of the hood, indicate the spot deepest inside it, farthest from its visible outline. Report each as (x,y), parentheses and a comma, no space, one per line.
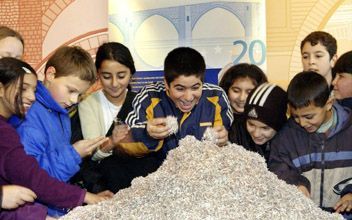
(343,120)
(44,97)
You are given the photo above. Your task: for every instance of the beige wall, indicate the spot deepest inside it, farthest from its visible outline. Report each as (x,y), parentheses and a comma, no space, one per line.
(288,22)
(49,24)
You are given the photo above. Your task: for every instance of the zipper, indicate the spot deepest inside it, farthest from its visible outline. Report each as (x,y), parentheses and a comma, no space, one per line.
(322,175)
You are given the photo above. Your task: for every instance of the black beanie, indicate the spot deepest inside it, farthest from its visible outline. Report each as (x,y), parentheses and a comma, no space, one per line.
(267,103)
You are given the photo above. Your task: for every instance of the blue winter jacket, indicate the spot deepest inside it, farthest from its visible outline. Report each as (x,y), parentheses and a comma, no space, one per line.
(45,134)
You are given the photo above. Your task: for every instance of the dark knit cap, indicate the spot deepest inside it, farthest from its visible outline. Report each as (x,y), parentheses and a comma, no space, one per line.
(267,103)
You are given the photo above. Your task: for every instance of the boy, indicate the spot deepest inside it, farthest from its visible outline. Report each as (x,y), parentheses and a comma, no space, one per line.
(313,150)
(264,115)
(318,51)
(184,95)
(45,133)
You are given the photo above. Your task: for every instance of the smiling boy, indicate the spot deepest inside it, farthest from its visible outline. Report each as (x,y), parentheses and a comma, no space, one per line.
(184,95)
(313,150)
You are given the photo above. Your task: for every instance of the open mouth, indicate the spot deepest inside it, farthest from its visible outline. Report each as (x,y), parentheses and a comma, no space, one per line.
(186,105)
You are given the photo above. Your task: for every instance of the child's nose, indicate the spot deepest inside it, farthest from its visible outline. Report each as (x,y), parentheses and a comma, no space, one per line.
(188,95)
(302,122)
(31,97)
(334,82)
(114,82)
(311,60)
(256,132)
(243,96)
(74,99)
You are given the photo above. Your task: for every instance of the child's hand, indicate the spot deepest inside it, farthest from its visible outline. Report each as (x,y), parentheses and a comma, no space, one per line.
(222,135)
(87,147)
(119,134)
(157,128)
(304,190)
(107,194)
(344,204)
(14,196)
(91,198)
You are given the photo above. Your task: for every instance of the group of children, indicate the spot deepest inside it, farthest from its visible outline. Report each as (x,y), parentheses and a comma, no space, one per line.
(126,135)
(311,149)
(31,172)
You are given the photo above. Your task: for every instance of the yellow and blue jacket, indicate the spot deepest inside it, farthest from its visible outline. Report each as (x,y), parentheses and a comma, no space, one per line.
(213,109)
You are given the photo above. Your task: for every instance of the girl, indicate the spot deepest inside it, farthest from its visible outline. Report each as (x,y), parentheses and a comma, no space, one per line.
(18,82)
(343,80)
(97,112)
(11,43)
(238,81)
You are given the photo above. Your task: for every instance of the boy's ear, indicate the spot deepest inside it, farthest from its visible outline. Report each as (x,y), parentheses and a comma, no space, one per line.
(333,60)
(166,85)
(2,90)
(50,73)
(329,103)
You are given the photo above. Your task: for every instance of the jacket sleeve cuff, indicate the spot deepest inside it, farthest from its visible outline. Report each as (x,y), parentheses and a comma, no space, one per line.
(75,155)
(304,181)
(81,198)
(99,155)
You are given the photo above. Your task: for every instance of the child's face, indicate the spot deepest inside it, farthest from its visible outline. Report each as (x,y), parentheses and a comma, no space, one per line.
(260,132)
(312,117)
(185,92)
(238,93)
(342,85)
(114,78)
(11,47)
(316,58)
(28,92)
(66,89)
(28,95)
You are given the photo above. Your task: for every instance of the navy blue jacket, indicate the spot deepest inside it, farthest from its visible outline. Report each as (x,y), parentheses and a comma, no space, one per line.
(213,109)
(316,160)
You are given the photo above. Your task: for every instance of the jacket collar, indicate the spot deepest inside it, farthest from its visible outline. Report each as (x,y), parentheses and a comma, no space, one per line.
(347,102)
(44,97)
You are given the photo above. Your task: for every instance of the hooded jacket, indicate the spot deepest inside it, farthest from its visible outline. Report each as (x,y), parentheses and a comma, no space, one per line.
(316,160)
(45,135)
